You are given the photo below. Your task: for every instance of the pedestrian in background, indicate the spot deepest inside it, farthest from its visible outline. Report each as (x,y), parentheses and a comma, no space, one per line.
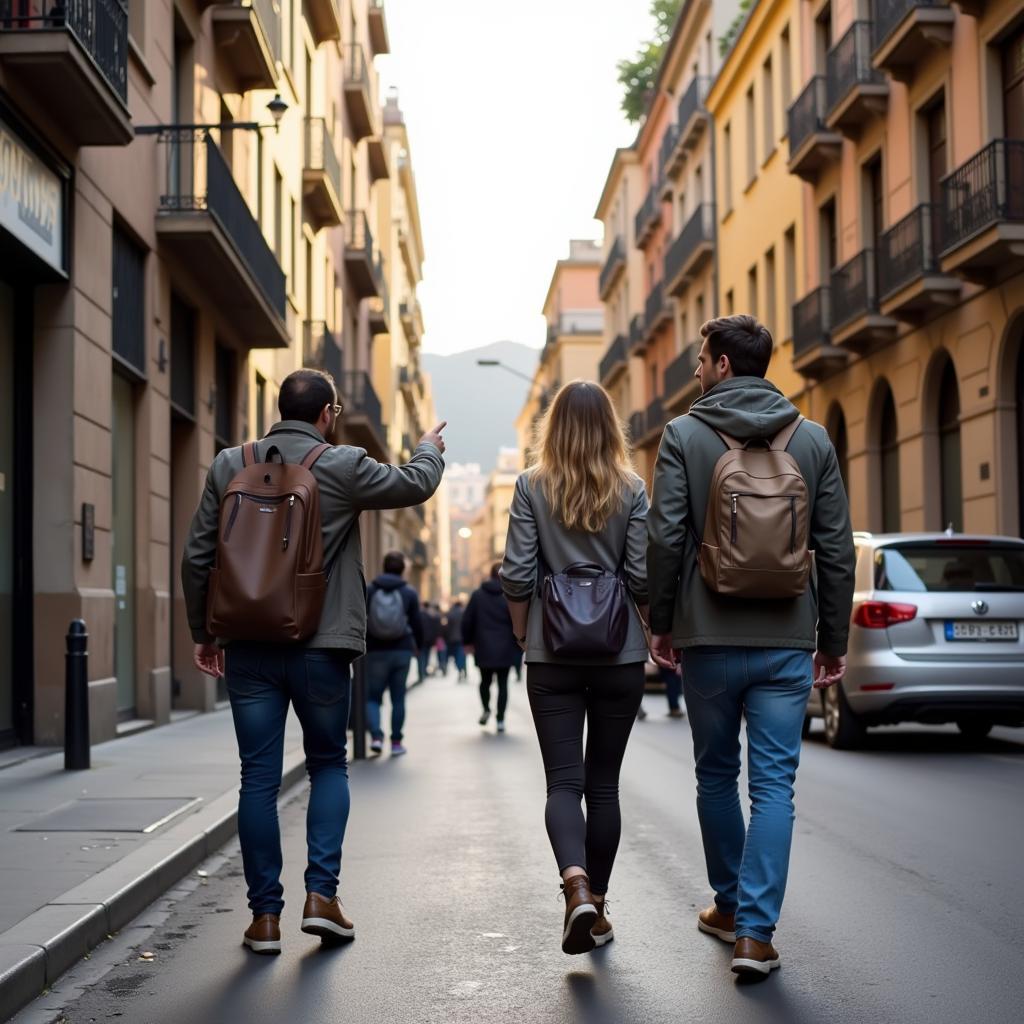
(581,505)
(487,634)
(313,675)
(454,649)
(431,619)
(746,655)
(394,635)
(673,690)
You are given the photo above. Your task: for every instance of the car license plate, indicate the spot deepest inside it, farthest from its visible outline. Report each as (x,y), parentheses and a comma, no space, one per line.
(970,630)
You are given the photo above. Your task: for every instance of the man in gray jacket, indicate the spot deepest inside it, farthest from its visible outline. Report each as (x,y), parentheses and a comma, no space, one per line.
(745,658)
(262,679)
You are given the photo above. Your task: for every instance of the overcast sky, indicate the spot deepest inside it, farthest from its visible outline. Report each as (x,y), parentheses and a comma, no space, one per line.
(513,117)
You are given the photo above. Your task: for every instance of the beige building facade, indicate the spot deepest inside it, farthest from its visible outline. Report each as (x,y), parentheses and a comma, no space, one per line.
(186,197)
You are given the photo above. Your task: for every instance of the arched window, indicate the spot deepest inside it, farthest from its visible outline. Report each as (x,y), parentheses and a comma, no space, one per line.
(949,449)
(840,440)
(889,454)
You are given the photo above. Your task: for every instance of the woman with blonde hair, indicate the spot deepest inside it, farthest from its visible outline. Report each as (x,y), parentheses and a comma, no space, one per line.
(575,579)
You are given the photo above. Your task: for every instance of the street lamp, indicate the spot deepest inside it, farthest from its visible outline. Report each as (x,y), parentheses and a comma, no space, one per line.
(497,362)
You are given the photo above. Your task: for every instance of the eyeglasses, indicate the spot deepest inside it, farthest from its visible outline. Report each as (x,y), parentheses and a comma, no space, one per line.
(338,409)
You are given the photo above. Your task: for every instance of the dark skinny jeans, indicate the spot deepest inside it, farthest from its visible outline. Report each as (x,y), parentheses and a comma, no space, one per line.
(487,676)
(563,698)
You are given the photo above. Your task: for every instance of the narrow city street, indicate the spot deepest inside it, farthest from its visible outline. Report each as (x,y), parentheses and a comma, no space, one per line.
(903,903)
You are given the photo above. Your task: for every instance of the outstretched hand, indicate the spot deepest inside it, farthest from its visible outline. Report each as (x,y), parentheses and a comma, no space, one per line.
(434,437)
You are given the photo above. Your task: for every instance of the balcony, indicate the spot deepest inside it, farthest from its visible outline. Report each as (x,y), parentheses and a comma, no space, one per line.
(419,554)
(691,251)
(613,267)
(361,261)
(856,319)
(681,386)
(814,355)
(648,217)
(812,145)
(378,28)
(204,224)
(655,418)
(320,350)
(636,333)
(321,175)
(906,31)
(614,361)
(983,213)
(247,34)
(668,163)
(377,157)
(636,427)
(363,420)
(855,90)
(359,103)
(412,321)
(656,311)
(74,63)
(910,279)
(324,20)
(379,312)
(692,120)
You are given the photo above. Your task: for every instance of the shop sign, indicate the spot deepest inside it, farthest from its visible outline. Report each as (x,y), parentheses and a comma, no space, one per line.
(31,200)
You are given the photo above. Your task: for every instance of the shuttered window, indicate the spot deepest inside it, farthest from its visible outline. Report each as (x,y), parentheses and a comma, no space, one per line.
(129,302)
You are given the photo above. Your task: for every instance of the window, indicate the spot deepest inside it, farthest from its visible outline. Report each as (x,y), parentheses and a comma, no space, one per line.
(889,454)
(727,167)
(129,301)
(789,272)
(183,358)
(700,310)
(137,22)
(951,486)
(786,69)
(293,243)
(769,293)
(768,105)
(822,39)
(874,204)
(935,127)
(278,215)
(751,137)
(728,303)
(828,255)
(752,291)
(224,390)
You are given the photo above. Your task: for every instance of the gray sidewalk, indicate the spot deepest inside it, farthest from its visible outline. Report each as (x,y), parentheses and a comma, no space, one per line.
(75,863)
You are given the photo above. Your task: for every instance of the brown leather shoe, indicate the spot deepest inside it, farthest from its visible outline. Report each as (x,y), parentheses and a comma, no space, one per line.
(602,930)
(264,934)
(580,915)
(326,918)
(753,957)
(714,922)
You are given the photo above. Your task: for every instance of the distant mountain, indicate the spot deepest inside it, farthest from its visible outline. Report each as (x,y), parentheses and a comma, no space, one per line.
(480,402)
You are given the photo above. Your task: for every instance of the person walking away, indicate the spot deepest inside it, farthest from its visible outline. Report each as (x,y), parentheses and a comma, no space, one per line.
(673,690)
(744,490)
(264,675)
(394,635)
(580,512)
(431,631)
(454,649)
(487,634)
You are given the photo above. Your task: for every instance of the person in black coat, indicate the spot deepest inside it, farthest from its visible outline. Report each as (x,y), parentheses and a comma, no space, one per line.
(487,630)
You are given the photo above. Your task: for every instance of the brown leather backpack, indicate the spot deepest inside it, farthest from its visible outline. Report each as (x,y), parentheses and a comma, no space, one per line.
(268,580)
(756,528)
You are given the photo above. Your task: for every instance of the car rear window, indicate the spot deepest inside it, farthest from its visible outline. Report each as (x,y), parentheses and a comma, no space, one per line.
(949,566)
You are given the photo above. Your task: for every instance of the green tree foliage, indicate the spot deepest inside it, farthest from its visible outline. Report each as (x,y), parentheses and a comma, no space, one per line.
(725,42)
(637,75)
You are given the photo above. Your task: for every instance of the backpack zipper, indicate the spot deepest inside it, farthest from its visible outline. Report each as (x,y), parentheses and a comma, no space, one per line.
(792,524)
(736,495)
(232,517)
(288,522)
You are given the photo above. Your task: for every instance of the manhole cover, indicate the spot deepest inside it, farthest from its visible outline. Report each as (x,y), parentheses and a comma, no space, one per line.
(119,814)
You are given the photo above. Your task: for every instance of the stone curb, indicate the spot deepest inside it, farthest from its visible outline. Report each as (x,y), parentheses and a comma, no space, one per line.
(37,950)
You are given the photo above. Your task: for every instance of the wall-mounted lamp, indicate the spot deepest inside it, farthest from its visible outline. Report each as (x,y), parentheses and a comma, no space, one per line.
(277,108)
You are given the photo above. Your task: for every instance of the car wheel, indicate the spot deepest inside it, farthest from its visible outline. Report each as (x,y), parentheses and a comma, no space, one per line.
(974,729)
(843,730)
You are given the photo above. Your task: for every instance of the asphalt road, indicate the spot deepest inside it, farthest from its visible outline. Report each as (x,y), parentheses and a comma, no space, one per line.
(905,900)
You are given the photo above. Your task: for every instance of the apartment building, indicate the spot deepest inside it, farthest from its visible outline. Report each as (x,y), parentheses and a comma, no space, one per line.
(908,131)
(574,338)
(759,203)
(490,525)
(186,190)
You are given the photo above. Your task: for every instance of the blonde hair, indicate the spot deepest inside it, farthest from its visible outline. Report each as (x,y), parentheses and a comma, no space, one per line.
(582,460)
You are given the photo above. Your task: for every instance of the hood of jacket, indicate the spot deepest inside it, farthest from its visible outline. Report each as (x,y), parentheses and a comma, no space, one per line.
(491,587)
(745,408)
(389,581)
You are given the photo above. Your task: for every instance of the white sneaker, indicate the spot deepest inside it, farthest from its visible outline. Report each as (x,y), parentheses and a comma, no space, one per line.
(501,725)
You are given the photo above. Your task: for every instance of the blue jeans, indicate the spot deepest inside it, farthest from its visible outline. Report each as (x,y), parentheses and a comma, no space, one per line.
(456,653)
(673,687)
(747,867)
(262,679)
(387,672)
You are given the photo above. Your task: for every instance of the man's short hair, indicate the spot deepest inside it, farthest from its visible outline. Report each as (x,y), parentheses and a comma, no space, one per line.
(495,570)
(304,394)
(747,343)
(394,563)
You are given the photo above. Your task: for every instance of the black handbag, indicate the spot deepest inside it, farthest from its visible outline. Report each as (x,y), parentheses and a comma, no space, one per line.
(585,611)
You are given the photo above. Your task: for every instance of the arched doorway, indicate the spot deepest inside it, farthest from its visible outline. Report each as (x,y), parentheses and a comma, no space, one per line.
(950,482)
(836,426)
(889,458)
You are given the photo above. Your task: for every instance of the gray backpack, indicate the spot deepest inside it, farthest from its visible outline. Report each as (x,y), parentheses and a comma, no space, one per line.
(386,618)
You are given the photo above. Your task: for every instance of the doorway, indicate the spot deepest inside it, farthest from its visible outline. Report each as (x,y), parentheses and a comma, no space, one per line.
(123,541)
(1020,437)
(7,540)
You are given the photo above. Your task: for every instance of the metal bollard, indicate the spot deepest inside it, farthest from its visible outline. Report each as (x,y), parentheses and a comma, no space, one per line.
(76,698)
(357,715)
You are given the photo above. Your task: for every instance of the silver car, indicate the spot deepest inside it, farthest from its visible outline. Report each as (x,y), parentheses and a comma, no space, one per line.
(937,636)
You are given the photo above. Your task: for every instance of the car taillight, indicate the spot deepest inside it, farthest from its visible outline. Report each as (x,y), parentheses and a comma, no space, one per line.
(881,614)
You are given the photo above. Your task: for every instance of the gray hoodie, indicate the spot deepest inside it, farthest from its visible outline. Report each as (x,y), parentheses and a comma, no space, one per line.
(681,603)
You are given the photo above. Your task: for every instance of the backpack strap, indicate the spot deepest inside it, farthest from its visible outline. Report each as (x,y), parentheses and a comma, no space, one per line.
(249,456)
(780,442)
(313,454)
(729,441)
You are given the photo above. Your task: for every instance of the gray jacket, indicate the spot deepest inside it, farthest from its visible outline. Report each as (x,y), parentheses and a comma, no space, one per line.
(349,482)
(681,603)
(532,528)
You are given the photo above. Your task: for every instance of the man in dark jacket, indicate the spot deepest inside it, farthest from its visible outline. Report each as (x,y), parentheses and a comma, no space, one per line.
(313,676)
(742,657)
(394,634)
(431,633)
(487,633)
(454,649)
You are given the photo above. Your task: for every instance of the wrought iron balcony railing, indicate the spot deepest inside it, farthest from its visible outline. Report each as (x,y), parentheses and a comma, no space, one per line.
(321,351)
(654,308)
(849,63)
(320,152)
(854,289)
(615,261)
(618,353)
(668,147)
(691,103)
(909,249)
(636,331)
(648,215)
(361,398)
(812,321)
(807,113)
(679,374)
(887,15)
(697,234)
